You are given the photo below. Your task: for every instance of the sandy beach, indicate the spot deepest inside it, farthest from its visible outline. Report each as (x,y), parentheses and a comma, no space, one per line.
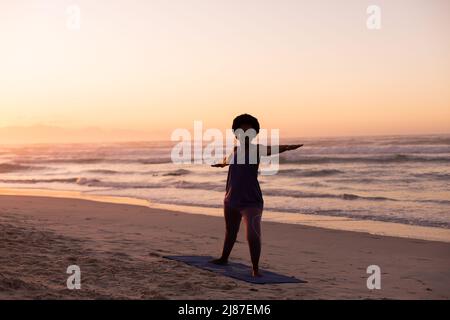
(120,249)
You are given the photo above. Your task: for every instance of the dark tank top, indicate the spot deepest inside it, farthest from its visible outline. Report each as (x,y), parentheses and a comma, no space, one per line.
(242,188)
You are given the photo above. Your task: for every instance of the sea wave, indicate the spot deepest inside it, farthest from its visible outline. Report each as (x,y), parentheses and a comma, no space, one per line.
(13,167)
(310,173)
(380,159)
(303,194)
(179,172)
(182,184)
(373,148)
(103,171)
(95,160)
(385,218)
(434,175)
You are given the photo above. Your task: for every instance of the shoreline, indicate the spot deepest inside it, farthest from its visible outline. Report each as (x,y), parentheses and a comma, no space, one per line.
(380,228)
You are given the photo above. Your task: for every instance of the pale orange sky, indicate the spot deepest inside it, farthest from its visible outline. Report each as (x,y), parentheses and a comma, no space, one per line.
(307,67)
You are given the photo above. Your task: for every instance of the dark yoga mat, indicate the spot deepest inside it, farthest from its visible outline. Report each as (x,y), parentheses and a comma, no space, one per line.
(235,270)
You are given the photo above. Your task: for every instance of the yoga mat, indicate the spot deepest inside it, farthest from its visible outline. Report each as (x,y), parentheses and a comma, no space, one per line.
(235,270)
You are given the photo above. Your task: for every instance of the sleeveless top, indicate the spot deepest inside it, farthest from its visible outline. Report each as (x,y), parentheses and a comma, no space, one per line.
(242,188)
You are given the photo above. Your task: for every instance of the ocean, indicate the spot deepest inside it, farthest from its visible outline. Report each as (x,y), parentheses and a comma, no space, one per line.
(403,179)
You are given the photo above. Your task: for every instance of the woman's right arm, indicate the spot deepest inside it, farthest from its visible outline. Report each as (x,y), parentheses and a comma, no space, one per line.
(225,162)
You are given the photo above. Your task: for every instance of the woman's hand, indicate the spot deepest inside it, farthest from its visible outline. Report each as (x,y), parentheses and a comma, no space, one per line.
(293,147)
(219,165)
(288,147)
(271,150)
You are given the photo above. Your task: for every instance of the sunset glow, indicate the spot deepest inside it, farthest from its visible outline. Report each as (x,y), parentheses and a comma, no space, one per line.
(148,67)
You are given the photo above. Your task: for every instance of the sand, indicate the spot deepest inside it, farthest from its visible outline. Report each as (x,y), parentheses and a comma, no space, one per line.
(120,249)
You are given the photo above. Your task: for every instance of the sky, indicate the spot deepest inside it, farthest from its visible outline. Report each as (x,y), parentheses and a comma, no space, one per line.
(308,68)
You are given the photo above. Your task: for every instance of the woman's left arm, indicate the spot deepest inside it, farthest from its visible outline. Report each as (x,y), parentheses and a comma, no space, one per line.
(282,148)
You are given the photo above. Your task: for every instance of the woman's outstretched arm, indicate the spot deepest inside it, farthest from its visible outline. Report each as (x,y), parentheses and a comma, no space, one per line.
(282,148)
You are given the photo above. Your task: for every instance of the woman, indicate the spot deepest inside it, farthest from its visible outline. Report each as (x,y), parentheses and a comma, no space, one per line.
(243,197)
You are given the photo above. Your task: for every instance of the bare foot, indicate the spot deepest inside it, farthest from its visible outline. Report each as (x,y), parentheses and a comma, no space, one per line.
(220,261)
(256,273)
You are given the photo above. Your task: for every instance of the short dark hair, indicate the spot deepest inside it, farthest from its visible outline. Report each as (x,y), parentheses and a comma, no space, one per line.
(246,119)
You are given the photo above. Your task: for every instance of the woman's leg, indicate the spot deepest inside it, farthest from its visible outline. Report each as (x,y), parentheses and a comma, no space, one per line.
(252,218)
(232,223)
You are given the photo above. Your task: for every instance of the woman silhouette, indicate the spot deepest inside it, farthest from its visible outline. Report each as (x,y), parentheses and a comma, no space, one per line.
(243,197)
